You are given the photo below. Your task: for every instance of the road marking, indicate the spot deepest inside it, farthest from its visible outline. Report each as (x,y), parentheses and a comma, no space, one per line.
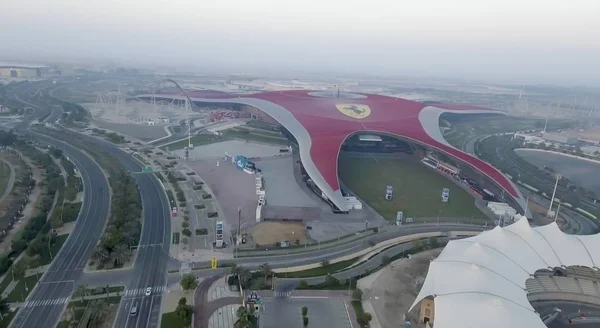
(348,315)
(47,302)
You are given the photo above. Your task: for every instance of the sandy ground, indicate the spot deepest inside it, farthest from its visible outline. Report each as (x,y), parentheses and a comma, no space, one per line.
(28,210)
(266,233)
(393,289)
(140,131)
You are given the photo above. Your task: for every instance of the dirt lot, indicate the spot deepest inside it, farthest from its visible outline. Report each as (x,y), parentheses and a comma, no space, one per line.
(394,288)
(266,233)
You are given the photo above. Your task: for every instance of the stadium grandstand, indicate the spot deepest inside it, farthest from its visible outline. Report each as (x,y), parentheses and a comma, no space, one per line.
(497,277)
(322,124)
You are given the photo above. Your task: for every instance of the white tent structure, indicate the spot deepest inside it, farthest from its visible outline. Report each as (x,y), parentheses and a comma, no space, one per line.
(480,281)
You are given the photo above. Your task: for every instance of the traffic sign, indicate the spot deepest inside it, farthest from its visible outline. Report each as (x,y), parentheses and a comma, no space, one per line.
(213,263)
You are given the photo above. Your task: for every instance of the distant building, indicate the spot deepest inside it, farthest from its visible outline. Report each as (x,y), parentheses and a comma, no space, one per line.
(26,71)
(527,138)
(560,138)
(591,150)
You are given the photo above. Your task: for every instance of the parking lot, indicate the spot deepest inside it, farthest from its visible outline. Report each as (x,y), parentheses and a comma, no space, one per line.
(323,312)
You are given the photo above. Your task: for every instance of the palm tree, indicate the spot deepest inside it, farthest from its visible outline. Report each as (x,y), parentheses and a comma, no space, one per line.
(266,270)
(120,253)
(34,262)
(235,269)
(98,311)
(245,317)
(82,291)
(100,253)
(244,277)
(18,270)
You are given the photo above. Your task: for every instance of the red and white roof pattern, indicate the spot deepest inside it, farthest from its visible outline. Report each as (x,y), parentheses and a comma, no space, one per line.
(321,127)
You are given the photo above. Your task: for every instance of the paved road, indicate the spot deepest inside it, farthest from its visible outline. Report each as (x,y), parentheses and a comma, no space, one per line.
(58,282)
(151,261)
(150,267)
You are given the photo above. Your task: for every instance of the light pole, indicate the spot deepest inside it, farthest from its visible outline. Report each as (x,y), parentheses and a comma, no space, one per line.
(438,218)
(558,177)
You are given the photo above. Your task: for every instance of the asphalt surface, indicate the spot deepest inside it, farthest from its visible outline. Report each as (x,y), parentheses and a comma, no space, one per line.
(48,300)
(150,267)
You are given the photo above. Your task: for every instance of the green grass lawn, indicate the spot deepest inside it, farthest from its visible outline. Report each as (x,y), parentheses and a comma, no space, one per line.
(7,319)
(417,188)
(45,256)
(19,294)
(317,272)
(171,320)
(198,140)
(256,136)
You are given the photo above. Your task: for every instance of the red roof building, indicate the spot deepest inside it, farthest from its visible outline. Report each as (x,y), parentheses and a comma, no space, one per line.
(321,121)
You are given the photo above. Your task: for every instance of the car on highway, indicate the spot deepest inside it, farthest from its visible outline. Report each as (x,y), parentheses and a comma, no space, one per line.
(148,291)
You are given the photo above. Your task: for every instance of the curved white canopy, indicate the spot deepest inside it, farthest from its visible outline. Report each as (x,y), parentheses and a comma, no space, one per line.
(480,281)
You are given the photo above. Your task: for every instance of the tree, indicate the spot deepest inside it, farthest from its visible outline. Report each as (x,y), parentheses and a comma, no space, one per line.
(98,311)
(19,269)
(184,311)
(304,311)
(34,262)
(324,263)
(244,277)
(303,284)
(266,270)
(305,321)
(246,318)
(367,317)
(186,232)
(120,253)
(433,242)
(100,253)
(188,282)
(357,294)
(82,291)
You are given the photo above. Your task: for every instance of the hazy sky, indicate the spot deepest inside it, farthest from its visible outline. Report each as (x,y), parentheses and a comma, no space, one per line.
(548,40)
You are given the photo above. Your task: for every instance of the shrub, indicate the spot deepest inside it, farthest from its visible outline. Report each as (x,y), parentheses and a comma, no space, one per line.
(185,225)
(303,284)
(201,232)
(186,218)
(197,187)
(186,232)
(357,294)
(206,196)
(212,214)
(304,311)
(191,173)
(199,206)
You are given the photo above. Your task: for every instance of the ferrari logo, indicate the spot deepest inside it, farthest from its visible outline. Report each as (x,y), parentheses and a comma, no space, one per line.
(354,110)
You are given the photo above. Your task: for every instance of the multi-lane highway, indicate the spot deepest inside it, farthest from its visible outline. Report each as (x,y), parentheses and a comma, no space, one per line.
(150,267)
(46,303)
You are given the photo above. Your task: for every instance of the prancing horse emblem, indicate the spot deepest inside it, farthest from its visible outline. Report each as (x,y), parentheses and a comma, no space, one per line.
(354,110)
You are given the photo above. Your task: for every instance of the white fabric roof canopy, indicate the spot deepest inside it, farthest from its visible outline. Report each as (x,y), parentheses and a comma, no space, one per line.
(480,281)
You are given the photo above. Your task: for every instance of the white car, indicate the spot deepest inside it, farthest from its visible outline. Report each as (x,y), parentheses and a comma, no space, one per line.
(148,291)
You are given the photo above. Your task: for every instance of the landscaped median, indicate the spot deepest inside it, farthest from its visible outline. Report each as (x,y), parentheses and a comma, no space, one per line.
(95,307)
(370,251)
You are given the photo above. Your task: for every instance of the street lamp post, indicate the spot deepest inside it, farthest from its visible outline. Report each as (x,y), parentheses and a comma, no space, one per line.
(558,177)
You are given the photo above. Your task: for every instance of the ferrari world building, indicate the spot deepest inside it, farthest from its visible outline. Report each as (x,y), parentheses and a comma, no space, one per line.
(321,121)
